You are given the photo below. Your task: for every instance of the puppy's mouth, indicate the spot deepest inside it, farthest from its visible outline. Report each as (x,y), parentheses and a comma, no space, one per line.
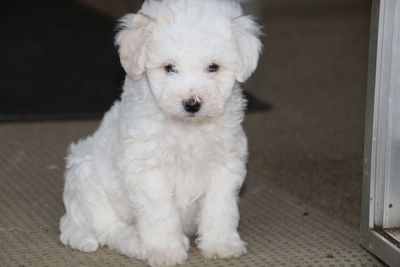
(197,118)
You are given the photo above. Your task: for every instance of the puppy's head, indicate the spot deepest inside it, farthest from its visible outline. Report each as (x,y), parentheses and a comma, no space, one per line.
(192,52)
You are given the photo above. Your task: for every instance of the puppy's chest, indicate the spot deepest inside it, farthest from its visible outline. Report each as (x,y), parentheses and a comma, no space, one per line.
(189,164)
(192,152)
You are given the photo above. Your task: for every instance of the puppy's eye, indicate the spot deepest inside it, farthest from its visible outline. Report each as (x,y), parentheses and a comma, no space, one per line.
(213,68)
(170,68)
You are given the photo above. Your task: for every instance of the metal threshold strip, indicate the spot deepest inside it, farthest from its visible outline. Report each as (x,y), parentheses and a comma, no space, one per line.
(394,233)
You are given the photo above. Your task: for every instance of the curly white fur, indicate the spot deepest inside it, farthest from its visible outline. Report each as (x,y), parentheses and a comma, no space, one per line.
(154,174)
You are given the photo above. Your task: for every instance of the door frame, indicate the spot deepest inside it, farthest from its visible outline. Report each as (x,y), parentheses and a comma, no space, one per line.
(380,209)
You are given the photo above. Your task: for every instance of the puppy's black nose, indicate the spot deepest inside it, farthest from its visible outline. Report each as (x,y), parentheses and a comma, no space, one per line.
(192,104)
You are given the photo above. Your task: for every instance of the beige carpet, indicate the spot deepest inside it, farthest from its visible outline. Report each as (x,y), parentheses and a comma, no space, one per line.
(280,229)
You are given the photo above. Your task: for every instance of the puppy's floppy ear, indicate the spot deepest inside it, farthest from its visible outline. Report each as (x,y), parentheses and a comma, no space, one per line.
(132,40)
(247,33)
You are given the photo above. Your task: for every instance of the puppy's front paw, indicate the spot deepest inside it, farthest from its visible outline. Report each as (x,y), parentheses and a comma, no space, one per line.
(168,254)
(128,243)
(158,257)
(88,244)
(225,248)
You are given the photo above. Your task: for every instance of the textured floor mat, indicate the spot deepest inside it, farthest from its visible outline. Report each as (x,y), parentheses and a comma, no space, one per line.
(279,229)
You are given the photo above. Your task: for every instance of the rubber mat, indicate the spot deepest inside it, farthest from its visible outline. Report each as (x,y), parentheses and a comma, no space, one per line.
(280,230)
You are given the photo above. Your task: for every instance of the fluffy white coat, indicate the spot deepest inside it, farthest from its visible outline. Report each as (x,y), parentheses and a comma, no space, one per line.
(154,174)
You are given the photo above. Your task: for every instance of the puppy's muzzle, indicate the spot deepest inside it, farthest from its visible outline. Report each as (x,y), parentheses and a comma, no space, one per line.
(192,104)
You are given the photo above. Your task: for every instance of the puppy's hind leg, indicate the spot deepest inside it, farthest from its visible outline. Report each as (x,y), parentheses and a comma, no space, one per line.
(76,226)
(77,236)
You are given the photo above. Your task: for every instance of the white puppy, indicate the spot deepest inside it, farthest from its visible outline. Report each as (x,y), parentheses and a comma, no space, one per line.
(168,160)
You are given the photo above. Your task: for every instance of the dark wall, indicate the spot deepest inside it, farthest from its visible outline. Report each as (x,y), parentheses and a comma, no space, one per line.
(57,60)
